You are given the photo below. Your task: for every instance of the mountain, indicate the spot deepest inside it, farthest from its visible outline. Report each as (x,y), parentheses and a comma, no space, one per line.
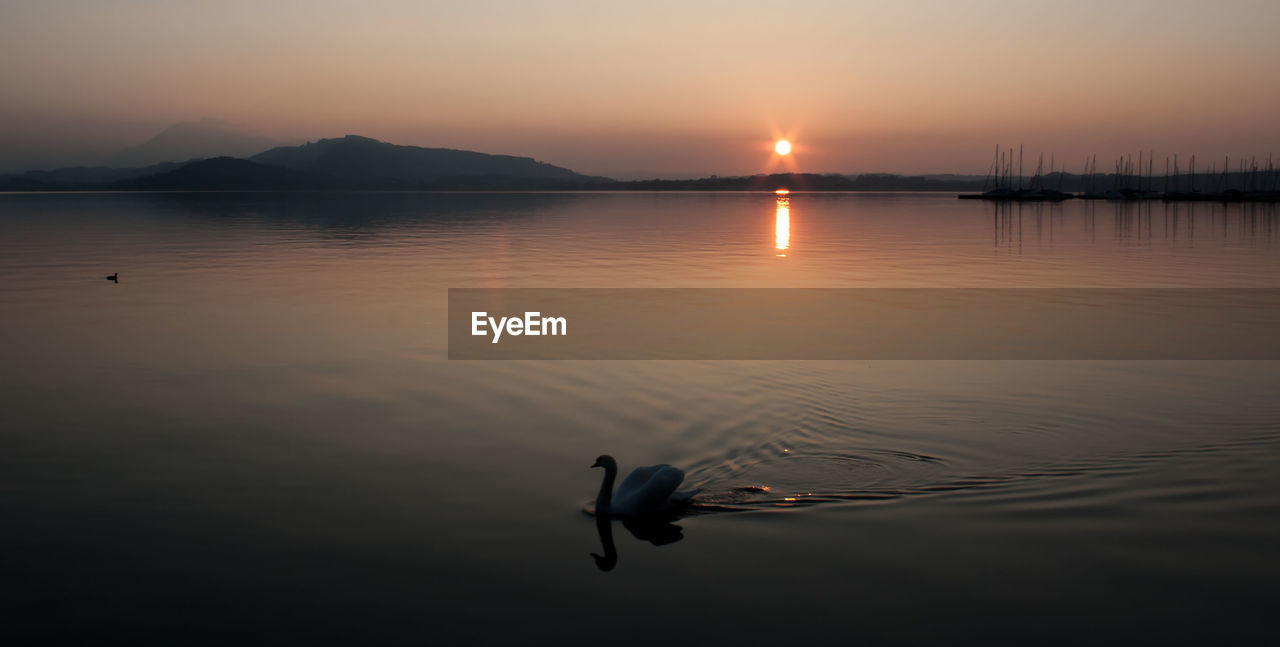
(369,162)
(361,163)
(347,163)
(196,140)
(354,162)
(228,174)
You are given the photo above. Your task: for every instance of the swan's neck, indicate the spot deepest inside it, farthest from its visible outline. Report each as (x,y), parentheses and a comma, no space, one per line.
(604,500)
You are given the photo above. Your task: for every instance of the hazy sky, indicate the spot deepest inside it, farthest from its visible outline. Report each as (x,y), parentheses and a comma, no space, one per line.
(653,88)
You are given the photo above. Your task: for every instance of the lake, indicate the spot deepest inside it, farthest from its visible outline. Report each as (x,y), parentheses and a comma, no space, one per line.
(256,436)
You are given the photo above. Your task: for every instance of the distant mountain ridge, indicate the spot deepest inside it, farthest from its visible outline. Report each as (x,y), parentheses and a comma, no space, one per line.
(345,163)
(190,141)
(362,160)
(813,182)
(360,163)
(226,174)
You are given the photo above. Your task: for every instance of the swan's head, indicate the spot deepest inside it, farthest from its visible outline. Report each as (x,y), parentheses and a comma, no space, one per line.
(606,461)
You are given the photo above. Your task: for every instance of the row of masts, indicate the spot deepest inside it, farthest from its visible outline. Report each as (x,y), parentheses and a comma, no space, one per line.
(1133,179)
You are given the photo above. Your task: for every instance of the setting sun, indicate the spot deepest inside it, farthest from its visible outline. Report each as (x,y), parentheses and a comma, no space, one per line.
(782,147)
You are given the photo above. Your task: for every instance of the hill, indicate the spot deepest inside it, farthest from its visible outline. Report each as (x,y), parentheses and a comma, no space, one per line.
(228,174)
(371,163)
(361,163)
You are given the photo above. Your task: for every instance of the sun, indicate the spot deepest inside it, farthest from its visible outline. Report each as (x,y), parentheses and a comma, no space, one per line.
(782,147)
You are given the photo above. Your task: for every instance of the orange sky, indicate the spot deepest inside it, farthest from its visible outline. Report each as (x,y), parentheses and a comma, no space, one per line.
(657,88)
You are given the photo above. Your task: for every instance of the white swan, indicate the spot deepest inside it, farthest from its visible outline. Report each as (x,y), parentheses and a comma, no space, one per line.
(648,490)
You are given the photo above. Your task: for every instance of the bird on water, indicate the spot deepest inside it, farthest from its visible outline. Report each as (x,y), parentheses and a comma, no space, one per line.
(648,490)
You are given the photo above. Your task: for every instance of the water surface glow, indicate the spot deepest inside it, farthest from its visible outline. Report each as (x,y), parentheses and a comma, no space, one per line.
(782,223)
(256,431)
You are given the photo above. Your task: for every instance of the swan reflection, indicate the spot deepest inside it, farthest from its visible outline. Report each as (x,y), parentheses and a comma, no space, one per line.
(658,532)
(605,562)
(782,223)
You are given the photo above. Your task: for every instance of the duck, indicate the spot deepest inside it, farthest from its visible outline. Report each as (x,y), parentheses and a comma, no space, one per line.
(652,490)
(114,277)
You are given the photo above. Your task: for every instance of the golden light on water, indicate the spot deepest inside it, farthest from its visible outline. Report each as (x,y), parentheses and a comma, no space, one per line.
(782,222)
(782,147)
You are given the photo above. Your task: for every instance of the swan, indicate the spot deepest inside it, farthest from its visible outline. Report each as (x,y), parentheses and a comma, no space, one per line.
(648,490)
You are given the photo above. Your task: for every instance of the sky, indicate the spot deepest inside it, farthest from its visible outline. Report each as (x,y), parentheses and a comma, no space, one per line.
(653,89)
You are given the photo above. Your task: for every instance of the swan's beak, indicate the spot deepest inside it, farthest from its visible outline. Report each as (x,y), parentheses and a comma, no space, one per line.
(596,464)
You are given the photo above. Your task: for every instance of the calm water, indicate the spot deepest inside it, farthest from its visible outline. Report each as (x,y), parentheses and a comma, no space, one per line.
(255,436)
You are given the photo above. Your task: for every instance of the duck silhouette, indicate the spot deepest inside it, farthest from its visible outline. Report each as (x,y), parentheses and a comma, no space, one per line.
(114,278)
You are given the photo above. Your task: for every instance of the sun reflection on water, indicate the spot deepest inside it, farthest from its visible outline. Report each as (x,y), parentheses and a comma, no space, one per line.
(782,223)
